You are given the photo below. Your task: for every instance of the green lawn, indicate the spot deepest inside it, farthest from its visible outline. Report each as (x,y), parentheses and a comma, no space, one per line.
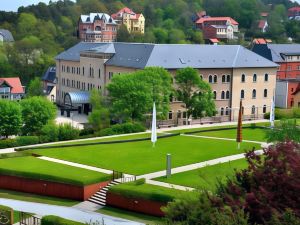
(35,168)
(133,216)
(207,177)
(140,157)
(36,198)
(140,190)
(250,134)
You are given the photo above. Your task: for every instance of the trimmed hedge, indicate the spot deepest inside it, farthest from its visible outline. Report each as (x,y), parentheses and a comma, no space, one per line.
(55,220)
(125,128)
(285,114)
(19,141)
(138,189)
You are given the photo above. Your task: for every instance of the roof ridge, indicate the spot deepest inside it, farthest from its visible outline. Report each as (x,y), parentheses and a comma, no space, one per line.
(235,58)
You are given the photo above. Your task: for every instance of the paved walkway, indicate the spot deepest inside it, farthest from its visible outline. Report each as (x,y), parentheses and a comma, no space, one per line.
(65,212)
(7,150)
(208,125)
(219,138)
(167,185)
(195,166)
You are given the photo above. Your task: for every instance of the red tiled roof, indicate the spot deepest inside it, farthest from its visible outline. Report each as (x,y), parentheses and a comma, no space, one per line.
(259,41)
(264,14)
(214,40)
(121,11)
(204,19)
(261,24)
(136,16)
(14,83)
(296,8)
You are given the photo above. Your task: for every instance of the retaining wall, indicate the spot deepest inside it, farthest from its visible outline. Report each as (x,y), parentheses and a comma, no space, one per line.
(48,188)
(134,204)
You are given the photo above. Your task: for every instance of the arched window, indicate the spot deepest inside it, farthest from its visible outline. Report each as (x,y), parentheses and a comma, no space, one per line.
(266,77)
(210,79)
(83,71)
(243,78)
(215,78)
(201,76)
(228,78)
(253,110)
(227,111)
(254,77)
(215,95)
(222,111)
(98,28)
(223,78)
(265,93)
(242,94)
(223,95)
(227,95)
(254,93)
(264,109)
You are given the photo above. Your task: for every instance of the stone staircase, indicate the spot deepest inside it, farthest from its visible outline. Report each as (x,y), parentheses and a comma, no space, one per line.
(99,197)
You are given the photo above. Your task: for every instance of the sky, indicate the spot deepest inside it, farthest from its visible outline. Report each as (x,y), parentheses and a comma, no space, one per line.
(13,5)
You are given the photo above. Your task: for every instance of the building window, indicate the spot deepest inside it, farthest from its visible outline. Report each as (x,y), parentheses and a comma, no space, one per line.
(210,79)
(223,95)
(254,77)
(227,95)
(179,114)
(201,76)
(228,78)
(265,93)
(254,94)
(110,75)
(242,94)
(253,110)
(99,73)
(170,115)
(243,78)
(266,77)
(264,109)
(215,78)
(223,78)
(222,111)
(215,95)
(83,71)
(289,68)
(227,111)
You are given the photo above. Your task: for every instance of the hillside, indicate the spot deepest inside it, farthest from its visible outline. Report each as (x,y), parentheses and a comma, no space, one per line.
(41,31)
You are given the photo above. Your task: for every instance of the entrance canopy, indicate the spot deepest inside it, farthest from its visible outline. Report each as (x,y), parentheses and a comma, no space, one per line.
(76,98)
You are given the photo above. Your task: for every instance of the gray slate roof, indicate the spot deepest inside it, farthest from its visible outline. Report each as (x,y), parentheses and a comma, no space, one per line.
(276,52)
(102,16)
(172,56)
(50,75)
(7,36)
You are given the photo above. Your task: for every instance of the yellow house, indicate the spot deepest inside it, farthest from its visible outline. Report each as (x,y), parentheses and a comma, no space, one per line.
(134,22)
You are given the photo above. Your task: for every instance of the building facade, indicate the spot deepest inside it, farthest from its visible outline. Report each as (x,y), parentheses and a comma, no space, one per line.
(233,72)
(97,27)
(294,13)
(221,28)
(135,22)
(288,73)
(11,88)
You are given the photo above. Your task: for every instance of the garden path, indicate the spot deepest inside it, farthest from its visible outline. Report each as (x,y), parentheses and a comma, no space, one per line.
(70,213)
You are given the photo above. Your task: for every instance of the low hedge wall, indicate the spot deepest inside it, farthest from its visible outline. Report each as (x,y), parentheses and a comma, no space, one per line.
(285,114)
(95,143)
(19,141)
(138,189)
(55,220)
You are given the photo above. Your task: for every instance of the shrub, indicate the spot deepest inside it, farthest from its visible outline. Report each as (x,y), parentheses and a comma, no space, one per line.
(55,220)
(49,133)
(27,140)
(86,132)
(8,143)
(67,132)
(124,128)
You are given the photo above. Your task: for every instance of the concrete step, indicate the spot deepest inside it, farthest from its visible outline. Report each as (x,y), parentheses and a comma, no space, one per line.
(97,202)
(99,196)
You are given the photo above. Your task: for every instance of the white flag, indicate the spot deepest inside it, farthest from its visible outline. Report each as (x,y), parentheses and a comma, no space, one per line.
(153,132)
(272,113)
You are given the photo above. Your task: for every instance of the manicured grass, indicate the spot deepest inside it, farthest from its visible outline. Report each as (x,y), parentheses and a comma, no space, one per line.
(250,134)
(36,198)
(141,190)
(35,168)
(141,158)
(264,124)
(208,177)
(138,217)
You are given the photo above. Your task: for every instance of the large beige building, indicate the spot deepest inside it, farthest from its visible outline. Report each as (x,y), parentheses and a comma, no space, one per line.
(135,22)
(233,72)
